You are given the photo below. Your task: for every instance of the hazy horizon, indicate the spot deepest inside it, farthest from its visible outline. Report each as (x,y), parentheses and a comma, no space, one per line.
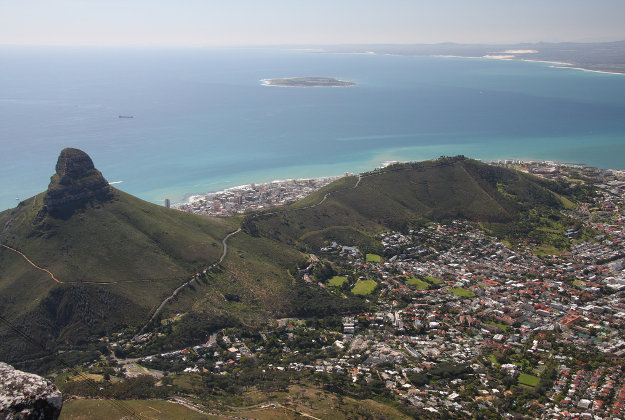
(251,23)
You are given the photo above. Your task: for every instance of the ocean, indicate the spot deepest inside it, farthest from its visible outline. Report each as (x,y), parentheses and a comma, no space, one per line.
(203,122)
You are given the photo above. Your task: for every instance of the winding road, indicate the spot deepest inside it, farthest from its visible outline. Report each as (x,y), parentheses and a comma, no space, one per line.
(224,252)
(224,243)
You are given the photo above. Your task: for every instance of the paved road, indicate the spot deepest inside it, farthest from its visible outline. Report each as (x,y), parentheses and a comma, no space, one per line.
(225,246)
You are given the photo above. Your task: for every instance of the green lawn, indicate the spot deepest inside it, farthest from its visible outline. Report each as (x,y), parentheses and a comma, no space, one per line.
(493,360)
(374,258)
(546,249)
(337,281)
(419,284)
(568,204)
(459,291)
(432,280)
(364,287)
(529,380)
(505,328)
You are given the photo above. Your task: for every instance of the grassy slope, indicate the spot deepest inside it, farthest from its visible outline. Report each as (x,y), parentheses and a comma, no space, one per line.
(252,284)
(116,241)
(403,195)
(128,239)
(141,252)
(119,242)
(417,283)
(310,401)
(114,410)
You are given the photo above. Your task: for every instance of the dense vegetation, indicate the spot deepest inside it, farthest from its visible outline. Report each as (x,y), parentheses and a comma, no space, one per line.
(314,302)
(117,260)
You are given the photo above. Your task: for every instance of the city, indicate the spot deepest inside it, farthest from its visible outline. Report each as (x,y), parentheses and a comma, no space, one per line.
(459,322)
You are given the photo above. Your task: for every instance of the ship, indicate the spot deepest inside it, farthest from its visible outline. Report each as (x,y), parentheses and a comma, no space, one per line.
(126,116)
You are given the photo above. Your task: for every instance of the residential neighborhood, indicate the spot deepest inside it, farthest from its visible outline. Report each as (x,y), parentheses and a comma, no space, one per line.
(252,197)
(460,321)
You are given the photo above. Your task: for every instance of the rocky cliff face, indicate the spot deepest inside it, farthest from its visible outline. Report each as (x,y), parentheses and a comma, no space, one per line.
(27,396)
(75,183)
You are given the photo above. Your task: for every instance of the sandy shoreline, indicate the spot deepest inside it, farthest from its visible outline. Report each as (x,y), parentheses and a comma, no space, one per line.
(507,57)
(588,70)
(555,64)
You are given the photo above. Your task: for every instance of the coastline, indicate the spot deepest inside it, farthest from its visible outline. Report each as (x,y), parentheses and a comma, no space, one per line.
(555,64)
(588,70)
(237,137)
(510,55)
(252,197)
(193,197)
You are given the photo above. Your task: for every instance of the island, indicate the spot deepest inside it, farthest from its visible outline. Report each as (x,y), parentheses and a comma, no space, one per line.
(307,82)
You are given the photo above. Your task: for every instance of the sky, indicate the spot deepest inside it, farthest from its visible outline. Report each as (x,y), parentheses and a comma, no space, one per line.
(304,22)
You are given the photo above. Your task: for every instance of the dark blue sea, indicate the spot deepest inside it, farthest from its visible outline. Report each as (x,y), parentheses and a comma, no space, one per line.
(203,122)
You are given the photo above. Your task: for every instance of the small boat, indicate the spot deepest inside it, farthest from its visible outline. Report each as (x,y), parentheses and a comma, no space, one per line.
(126,116)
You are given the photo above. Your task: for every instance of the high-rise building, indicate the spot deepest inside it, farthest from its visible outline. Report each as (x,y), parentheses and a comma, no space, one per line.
(167,203)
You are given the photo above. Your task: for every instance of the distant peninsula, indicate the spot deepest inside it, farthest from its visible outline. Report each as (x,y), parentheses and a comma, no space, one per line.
(307,82)
(601,57)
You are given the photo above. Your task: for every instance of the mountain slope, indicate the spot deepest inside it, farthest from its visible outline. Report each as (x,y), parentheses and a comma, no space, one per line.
(111,259)
(404,195)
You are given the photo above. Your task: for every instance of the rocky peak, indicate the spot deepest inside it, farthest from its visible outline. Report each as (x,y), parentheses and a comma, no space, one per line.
(73,164)
(27,396)
(75,183)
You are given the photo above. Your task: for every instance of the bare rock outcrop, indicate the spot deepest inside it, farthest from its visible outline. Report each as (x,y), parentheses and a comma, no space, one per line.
(75,183)
(27,396)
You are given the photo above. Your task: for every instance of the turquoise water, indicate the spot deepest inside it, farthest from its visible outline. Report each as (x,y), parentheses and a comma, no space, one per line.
(203,122)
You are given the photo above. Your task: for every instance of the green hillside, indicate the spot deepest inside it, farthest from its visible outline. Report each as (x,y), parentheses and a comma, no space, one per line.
(504,201)
(112,258)
(85,259)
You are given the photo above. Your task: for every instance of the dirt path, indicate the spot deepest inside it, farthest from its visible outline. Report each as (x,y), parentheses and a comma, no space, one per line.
(33,264)
(53,277)
(224,252)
